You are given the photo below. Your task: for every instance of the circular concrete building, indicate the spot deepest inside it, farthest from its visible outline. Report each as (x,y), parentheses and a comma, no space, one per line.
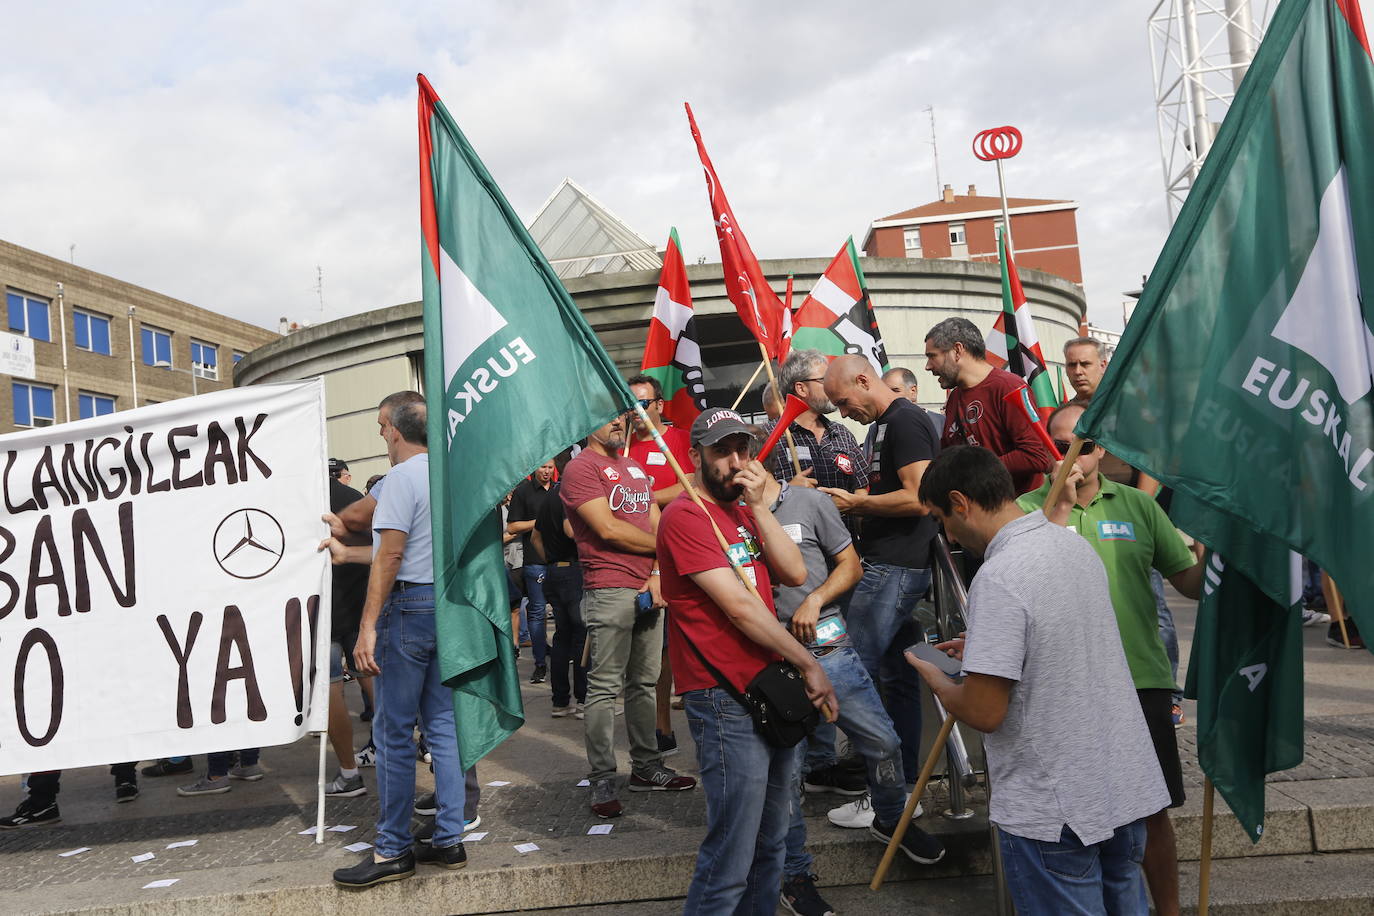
(365,357)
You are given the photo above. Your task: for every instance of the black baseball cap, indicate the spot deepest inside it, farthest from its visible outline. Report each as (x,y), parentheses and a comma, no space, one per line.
(715,423)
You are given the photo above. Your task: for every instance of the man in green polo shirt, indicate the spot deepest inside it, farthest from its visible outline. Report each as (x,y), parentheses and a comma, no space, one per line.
(1132,535)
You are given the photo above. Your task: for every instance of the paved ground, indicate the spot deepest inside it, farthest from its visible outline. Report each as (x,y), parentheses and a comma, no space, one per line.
(258,823)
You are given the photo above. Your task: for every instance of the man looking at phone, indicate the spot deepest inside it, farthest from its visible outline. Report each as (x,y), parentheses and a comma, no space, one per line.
(610,505)
(1073,772)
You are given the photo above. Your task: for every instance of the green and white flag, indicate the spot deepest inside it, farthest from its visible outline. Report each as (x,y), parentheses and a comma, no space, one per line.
(513,375)
(1244,378)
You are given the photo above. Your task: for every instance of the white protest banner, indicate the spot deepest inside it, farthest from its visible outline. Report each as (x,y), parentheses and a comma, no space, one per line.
(160,590)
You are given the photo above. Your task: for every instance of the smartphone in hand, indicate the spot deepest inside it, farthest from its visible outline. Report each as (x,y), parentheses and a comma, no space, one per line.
(928,653)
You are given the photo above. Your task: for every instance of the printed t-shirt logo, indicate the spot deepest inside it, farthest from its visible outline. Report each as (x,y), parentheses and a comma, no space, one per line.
(1115,531)
(631,500)
(611,473)
(973,411)
(844,464)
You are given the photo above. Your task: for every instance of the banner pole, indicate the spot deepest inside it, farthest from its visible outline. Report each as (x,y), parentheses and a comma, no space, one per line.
(747,385)
(691,491)
(1204,877)
(1337,607)
(904,821)
(319,821)
(791,446)
(1060,476)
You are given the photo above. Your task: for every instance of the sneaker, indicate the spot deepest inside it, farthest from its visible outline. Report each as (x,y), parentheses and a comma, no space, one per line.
(346,787)
(604,800)
(858,814)
(426,806)
(1314,618)
(800,897)
(917,845)
(562,712)
(205,786)
(472,824)
(250,773)
(1177,712)
(661,779)
(580,712)
(541,672)
(367,757)
(29,814)
(834,779)
(454,856)
(165,767)
(126,791)
(1333,635)
(667,744)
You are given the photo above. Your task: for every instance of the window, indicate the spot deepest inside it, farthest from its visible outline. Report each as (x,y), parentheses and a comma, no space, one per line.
(956,234)
(29,316)
(912,237)
(237,356)
(92,331)
(157,347)
(94,405)
(33,405)
(204,357)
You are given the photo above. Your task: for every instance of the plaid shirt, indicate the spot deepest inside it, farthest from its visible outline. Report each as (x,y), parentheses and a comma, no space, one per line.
(836,460)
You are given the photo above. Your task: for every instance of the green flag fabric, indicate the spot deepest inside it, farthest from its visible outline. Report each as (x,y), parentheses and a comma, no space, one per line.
(1243,380)
(512,376)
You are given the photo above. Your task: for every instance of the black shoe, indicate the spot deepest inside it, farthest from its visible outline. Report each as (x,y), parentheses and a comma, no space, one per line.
(126,791)
(365,715)
(1333,635)
(165,767)
(454,856)
(367,872)
(426,805)
(29,814)
(540,673)
(837,780)
(800,897)
(917,845)
(423,833)
(667,744)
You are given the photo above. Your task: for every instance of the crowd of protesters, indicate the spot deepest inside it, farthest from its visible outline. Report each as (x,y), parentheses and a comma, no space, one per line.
(700,578)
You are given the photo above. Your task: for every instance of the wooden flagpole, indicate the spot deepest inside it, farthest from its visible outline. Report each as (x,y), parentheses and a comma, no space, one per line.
(1204,875)
(1062,475)
(1336,604)
(904,821)
(747,385)
(791,445)
(691,491)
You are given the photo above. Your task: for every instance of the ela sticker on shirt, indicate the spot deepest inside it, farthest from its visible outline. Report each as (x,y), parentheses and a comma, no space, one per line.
(829,631)
(794,532)
(656,458)
(636,473)
(1115,531)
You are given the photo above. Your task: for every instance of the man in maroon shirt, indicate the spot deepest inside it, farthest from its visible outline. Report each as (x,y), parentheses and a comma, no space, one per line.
(976,410)
(713,616)
(610,506)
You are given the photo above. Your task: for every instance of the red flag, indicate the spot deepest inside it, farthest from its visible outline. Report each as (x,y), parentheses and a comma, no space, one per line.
(671,353)
(758,306)
(785,340)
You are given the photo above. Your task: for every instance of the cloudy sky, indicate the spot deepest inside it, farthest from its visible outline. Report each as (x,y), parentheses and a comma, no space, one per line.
(219,153)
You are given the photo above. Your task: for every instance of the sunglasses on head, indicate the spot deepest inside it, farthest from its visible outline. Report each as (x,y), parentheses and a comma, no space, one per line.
(1088,446)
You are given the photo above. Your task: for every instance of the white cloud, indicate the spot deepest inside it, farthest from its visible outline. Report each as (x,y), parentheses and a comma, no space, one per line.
(219,153)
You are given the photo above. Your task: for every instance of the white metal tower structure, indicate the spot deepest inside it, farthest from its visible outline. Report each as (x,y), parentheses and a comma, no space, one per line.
(1199,51)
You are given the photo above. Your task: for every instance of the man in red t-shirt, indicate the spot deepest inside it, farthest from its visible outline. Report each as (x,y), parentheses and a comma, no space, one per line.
(645,450)
(976,410)
(713,616)
(613,516)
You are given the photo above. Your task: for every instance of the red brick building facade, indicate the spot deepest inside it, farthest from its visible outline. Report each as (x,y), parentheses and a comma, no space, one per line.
(964,227)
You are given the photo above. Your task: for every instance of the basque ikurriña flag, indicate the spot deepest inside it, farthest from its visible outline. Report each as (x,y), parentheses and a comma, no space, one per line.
(758,306)
(512,376)
(671,353)
(1245,381)
(837,316)
(1013,344)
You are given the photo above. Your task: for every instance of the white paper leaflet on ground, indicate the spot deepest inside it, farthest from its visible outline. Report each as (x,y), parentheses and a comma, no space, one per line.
(165,882)
(74,852)
(308,831)
(584,783)
(525,848)
(160,590)
(342,828)
(474,837)
(358,847)
(182,843)
(600,830)
(497,783)
(143,858)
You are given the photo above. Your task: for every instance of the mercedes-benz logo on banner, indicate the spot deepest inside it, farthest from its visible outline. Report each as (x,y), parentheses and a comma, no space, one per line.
(248,543)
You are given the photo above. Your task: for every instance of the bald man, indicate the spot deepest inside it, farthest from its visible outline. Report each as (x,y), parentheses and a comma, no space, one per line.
(896,539)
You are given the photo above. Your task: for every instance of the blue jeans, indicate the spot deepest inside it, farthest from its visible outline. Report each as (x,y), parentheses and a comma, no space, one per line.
(1068,878)
(218,762)
(563,589)
(408,688)
(1167,631)
(870,732)
(534,612)
(881,626)
(749,787)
